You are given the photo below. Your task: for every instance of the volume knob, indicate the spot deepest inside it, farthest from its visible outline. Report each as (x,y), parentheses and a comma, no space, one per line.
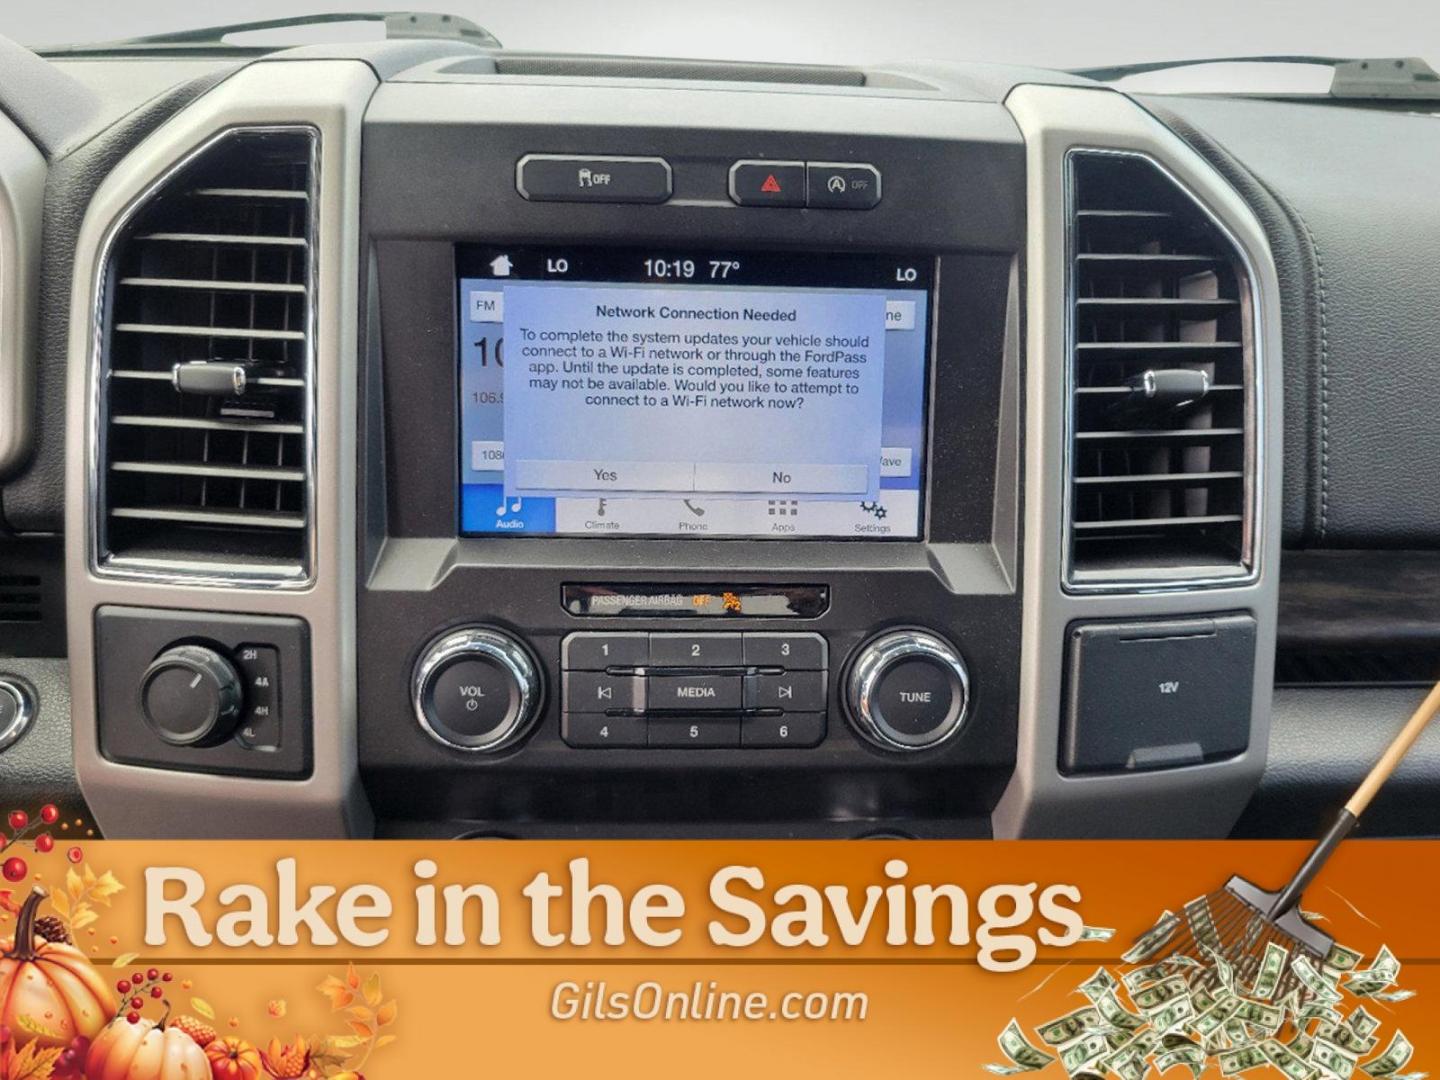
(908,690)
(476,689)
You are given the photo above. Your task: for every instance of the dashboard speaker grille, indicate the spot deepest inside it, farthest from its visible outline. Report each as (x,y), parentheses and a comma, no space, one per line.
(1162,405)
(206,366)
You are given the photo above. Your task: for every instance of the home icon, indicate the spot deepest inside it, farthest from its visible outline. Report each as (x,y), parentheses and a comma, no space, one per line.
(500,266)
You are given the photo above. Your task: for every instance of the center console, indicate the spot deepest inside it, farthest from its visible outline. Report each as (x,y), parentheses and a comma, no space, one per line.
(693,469)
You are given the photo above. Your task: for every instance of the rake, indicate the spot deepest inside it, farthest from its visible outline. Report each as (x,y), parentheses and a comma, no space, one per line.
(1237,922)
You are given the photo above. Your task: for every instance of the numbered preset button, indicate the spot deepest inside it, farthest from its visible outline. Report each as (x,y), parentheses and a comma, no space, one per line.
(792,729)
(696,650)
(590,731)
(793,652)
(597,652)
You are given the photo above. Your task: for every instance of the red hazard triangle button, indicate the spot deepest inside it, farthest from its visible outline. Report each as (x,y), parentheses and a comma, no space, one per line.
(768,183)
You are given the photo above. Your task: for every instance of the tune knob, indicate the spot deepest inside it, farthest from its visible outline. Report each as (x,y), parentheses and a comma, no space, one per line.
(191,695)
(476,689)
(908,690)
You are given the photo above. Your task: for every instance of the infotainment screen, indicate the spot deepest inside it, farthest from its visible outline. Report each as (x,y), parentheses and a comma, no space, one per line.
(628,392)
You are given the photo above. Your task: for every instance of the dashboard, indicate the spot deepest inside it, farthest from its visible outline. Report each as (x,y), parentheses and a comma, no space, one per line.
(419,439)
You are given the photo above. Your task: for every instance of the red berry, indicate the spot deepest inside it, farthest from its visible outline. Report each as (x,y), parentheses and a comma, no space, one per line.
(44,843)
(15,869)
(123,986)
(74,854)
(133,1017)
(68,1058)
(4,1034)
(19,819)
(166,977)
(137,1003)
(49,813)
(156,992)
(152,974)
(137,978)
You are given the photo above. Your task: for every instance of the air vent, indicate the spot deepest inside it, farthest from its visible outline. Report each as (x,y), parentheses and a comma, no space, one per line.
(32,597)
(205,388)
(1161,434)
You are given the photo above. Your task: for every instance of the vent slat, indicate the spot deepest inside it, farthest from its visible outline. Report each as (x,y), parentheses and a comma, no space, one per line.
(271,381)
(224,238)
(1158,482)
(1162,479)
(232,472)
(214,286)
(210,331)
(1159,523)
(215,267)
(210,517)
(196,423)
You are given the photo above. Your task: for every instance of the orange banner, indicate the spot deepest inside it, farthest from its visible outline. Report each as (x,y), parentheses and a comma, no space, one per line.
(404,959)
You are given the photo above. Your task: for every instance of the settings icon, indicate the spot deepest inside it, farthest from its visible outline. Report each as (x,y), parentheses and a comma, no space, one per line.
(874,508)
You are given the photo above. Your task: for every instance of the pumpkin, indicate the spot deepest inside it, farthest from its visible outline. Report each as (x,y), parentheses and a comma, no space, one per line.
(145,1050)
(50,985)
(233,1059)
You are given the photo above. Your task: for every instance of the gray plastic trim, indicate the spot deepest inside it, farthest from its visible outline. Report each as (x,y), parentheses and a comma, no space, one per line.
(131,801)
(22,196)
(1200,800)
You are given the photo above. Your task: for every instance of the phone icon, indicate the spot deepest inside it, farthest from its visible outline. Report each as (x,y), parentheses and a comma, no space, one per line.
(698,511)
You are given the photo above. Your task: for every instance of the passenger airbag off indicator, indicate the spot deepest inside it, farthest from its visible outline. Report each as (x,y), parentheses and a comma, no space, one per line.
(768,183)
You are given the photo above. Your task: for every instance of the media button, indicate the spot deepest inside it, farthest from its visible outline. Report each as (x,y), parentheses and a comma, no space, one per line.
(768,183)
(681,692)
(842,185)
(567,178)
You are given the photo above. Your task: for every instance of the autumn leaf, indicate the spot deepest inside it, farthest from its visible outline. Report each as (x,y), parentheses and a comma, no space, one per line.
(386,1013)
(339,994)
(365,1031)
(361,1013)
(124,959)
(83,917)
(88,876)
(342,1042)
(203,1007)
(383,1041)
(372,990)
(33,1063)
(105,887)
(61,903)
(352,977)
(73,884)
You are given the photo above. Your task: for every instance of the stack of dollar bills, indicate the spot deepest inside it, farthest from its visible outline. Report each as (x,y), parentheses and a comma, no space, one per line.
(1196,1012)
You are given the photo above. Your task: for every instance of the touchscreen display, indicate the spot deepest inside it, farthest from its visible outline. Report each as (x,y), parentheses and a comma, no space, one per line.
(628,392)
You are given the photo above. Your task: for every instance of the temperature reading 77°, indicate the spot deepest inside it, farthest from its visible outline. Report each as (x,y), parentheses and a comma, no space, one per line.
(720,268)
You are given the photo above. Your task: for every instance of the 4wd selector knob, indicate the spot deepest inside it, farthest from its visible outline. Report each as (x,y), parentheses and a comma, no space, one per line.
(476,689)
(191,695)
(908,690)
